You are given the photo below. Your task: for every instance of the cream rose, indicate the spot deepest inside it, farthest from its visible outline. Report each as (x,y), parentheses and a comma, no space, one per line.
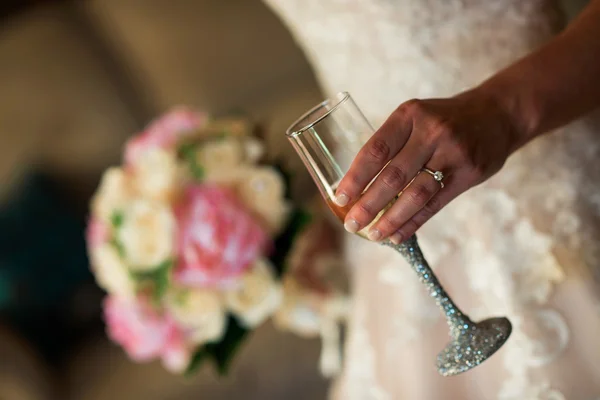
(110,271)
(157,175)
(273,215)
(147,234)
(113,194)
(221,160)
(200,311)
(262,184)
(257,296)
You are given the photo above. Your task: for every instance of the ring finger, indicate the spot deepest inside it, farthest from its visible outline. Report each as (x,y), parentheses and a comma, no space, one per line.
(410,202)
(392,179)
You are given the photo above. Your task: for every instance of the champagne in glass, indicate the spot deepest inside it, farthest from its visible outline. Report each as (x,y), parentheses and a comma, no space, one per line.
(339,211)
(327,138)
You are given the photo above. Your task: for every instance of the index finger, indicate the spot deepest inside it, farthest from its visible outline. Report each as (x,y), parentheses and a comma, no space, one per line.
(385,143)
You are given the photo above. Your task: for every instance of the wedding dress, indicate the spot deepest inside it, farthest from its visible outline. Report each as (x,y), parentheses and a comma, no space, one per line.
(525,244)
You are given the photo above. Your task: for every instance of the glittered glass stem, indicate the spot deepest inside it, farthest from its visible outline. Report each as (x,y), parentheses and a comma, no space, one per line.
(472,343)
(410,250)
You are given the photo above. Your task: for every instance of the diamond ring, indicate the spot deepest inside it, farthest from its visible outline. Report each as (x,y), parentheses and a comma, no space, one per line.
(437,175)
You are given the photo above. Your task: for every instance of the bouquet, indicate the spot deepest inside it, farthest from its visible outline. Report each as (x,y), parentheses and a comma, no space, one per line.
(190,238)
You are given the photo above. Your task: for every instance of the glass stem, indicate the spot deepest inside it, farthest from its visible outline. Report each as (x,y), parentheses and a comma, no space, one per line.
(410,250)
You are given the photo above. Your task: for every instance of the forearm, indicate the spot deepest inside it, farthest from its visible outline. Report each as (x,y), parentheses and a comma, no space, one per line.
(555,84)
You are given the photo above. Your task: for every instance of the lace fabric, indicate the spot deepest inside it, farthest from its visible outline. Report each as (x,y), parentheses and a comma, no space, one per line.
(524,244)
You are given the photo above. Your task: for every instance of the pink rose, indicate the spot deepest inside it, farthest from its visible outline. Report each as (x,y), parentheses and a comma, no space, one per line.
(145,334)
(164,132)
(96,233)
(217,238)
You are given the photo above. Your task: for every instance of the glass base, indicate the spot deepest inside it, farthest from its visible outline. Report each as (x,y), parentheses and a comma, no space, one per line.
(473,346)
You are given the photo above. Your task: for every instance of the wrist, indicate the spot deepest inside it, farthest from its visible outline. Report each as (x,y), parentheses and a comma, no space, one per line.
(514,107)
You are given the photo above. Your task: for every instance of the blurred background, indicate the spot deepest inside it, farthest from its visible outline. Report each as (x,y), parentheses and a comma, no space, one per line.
(77,78)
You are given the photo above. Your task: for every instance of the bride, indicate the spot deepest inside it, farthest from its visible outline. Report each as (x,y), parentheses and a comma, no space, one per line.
(525,242)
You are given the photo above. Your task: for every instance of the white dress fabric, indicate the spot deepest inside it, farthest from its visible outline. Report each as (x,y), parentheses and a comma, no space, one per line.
(526,244)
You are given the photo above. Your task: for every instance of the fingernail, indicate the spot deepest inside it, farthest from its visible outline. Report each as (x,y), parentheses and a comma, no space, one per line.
(342,200)
(396,238)
(351,226)
(374,235)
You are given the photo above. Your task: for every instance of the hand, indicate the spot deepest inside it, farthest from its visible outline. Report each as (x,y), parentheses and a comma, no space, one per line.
(468,138)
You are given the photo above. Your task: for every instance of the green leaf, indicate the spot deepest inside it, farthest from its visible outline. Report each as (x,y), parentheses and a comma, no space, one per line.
(116,219)
(119,246)
(162,280)
(284,242)
(197,171)
(159,277)
(188,152)
(222,352)
(196,362)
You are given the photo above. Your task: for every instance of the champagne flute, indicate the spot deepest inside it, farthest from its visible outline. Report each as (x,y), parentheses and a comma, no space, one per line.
(327,138)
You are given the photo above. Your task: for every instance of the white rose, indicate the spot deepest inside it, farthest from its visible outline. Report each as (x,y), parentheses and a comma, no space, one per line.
(110,271)
(257,296)
(157,175)
(201,312)
(304,311)
(254,149)
(113,193)
(337,307)
(262,190)
(310,315)
(298,313)
(147,234)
